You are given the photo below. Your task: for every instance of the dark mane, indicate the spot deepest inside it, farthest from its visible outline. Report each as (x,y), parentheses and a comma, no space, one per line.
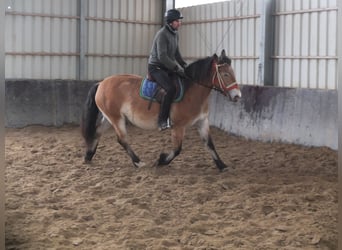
(199,71)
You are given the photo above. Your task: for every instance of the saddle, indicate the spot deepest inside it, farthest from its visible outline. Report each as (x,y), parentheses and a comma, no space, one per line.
(150,90)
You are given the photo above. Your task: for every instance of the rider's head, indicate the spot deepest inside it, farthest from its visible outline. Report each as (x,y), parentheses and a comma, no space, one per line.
(172,17)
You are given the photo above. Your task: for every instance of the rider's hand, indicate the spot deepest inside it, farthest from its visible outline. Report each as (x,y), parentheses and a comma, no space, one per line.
(180,72)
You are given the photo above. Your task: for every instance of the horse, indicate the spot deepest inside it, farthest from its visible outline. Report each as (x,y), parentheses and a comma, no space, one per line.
(115,101)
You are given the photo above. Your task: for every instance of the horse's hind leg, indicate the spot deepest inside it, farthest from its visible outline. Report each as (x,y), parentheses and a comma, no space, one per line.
(101,126)
(120,130)
(203,128)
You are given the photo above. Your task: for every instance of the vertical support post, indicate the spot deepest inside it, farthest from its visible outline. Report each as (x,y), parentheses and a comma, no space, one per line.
(2,126)
(266,43)
(339,89)
(170,4)
(82,8)
(167,4)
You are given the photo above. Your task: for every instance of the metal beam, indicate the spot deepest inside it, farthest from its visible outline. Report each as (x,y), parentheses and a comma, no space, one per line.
(22,13)
(2,126)
(169,4)
(82,8)
(216,20)
(266,43)
(304,11)
(339,88)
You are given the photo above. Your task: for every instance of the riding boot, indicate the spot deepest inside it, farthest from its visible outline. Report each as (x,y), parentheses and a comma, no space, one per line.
(163,119)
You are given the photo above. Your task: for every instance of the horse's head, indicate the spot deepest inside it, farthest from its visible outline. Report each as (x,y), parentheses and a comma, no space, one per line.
(223,77)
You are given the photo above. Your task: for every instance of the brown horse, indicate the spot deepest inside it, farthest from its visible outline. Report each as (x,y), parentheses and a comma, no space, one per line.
(116,100)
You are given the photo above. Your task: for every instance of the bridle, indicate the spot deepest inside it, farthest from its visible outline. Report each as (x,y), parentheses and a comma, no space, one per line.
(222,87)
(217,82)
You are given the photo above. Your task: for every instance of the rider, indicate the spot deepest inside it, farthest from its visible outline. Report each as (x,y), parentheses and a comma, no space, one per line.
(165,62)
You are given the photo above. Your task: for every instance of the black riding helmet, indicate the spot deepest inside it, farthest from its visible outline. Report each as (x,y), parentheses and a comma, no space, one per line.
(172,15)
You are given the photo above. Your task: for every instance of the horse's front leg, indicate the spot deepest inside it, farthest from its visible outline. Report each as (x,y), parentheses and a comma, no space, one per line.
(135,159)
(177,135)
(203,129)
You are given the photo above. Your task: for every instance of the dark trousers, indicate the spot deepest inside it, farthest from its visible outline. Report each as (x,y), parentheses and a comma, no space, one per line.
(164,78)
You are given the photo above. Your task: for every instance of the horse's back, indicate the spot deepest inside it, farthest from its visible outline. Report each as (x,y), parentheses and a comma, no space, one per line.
(118,83)
(120,79)
(116,91)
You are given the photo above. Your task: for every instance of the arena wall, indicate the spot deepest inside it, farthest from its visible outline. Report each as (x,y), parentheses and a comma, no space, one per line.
(44,102)
(291,115)
(300,116)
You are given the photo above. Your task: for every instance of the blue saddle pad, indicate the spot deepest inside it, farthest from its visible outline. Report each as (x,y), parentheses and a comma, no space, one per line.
(148,89)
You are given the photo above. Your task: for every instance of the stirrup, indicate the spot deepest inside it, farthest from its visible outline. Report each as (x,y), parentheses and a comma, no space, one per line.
(164,124)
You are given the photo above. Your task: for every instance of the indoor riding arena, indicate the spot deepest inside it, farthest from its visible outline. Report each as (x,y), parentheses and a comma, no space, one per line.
(279,140)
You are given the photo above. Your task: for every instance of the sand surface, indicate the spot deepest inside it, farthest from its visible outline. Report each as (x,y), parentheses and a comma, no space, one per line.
(279,196)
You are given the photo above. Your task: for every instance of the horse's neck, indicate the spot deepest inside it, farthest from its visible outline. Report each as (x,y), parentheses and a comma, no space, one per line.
(200,91)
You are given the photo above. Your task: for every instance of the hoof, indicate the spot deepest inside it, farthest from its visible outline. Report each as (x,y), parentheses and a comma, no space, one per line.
(162,160)
(220,165)
(89,155)
(86,161)
(139,164)
(223,169)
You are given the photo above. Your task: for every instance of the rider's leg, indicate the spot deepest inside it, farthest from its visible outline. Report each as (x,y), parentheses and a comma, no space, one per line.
(162,78)
(165,106)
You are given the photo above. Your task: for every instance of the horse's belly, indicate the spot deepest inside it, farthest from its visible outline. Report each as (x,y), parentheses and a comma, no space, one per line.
(148,125)
(144,120)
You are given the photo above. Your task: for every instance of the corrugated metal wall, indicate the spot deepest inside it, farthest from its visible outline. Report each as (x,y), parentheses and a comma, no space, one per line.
(43,37)
(231,25)
(305,49)
(40,39)
(305,46)
(120,34)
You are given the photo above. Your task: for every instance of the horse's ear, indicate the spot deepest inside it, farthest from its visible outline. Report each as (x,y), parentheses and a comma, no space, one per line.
(215,58)
(223,53)
(224,58)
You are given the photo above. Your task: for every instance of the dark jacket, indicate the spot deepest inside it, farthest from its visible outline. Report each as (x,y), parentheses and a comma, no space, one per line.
(165,51)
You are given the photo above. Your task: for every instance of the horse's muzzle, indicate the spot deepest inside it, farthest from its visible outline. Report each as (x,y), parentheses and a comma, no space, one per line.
(235,94)
(236,98)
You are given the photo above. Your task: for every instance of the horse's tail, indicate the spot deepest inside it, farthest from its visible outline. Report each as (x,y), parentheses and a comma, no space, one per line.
(89,116)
